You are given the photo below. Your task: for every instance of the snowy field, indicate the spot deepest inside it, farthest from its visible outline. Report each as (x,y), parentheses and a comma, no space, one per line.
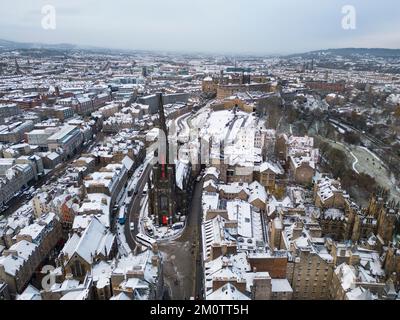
(369,163)
(365,161)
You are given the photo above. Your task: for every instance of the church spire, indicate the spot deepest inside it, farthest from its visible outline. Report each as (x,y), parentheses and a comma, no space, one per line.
(164,157)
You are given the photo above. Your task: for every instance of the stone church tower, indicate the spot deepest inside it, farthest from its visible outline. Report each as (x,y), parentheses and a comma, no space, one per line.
(163,194)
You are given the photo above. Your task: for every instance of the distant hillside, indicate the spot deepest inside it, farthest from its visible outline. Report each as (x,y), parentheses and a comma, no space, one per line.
(349,52)
(6,44)
(28,47)
(377,52)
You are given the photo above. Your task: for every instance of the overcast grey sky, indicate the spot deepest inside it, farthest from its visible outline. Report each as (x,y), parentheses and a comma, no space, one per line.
(237,26)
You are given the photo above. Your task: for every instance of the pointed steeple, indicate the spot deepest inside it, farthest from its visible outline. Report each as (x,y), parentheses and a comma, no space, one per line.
(164,158)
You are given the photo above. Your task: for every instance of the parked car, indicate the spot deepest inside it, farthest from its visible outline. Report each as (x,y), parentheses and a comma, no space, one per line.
(178,226)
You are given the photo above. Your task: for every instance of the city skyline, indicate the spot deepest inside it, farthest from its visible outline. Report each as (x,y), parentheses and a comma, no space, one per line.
(199,151)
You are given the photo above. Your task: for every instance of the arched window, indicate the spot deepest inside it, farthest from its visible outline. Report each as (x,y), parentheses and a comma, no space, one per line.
(78,269)
(164,202)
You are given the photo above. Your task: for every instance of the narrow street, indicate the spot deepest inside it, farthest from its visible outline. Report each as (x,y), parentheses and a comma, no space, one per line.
(134,210)
(182,257)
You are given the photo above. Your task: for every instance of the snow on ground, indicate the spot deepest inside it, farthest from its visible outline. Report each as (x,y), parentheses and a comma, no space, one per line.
(373,154)
(166,233)
(160,233)
(201,118)
(369,163)
(217,124)
(353,155)
(220,124)
(144,211)
(123,247)
(365,161)
(183,128)
(394,98)
(312,103)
